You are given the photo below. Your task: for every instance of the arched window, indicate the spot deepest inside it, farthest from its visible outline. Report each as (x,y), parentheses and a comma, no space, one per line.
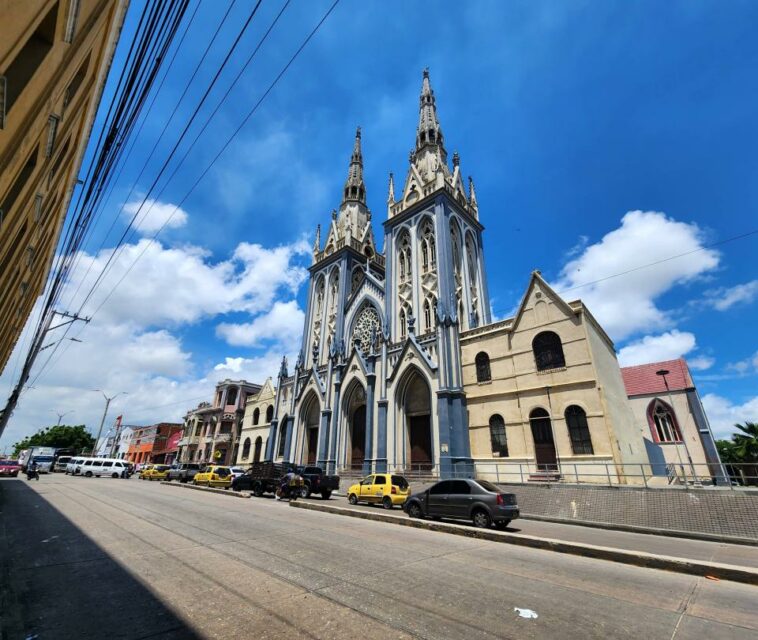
(403,327)
(483,373)
(425,254)
(256,415)
(663,422)
(246,449)
(548,351)
(401,260)
(270,413)
(282,438)
(427,316)
(258,447)
(579,431)
(497,436)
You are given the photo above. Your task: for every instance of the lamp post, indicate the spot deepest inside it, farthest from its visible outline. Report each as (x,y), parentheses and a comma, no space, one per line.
(61,415)
(105,413)
(663,373)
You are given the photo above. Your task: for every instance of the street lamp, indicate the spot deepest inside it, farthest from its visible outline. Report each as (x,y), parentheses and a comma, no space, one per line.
(663,373)
(105,413)
(61,415)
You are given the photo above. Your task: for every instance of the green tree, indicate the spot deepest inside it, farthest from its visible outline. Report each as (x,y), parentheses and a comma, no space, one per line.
(746,443)
(59,436)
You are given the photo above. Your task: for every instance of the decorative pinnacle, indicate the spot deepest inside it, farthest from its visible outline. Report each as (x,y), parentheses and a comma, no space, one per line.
(391,192)
(456,159)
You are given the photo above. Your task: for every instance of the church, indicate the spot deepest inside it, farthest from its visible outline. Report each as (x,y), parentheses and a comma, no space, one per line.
(401,367)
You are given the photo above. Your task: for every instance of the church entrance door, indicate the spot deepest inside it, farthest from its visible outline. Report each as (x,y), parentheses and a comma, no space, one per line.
(312,444)
(544,445)
(358,437)
(421,443)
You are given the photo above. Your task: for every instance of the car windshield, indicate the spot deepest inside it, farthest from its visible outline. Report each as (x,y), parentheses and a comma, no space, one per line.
(484,484)
(400,482)
(162,467)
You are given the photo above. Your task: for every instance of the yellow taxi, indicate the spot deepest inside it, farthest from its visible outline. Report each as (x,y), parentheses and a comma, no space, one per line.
(387,489)
(214,476)
(159,472)
(146,471)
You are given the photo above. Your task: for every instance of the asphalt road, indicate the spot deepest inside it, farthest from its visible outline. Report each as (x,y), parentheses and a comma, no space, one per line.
(101,558)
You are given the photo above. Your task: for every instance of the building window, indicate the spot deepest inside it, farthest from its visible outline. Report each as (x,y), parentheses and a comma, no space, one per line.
(231,396)
(663,422)
(23,67)
(258,446)
(579,431)
(402,323)
(76,82)
(270,413)
(483,373)
(246,449)
(548,351)
(427,316)
(256,415)
(497,436)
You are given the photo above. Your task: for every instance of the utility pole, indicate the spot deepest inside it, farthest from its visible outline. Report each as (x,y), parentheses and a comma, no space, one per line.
(31,356)
(61,415)
(105,413)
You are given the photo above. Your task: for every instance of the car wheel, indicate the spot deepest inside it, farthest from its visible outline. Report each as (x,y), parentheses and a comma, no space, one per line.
(209,484)
(305,491)
(257,490)
(114,475)
(325,495)
(88,474)
(481,519)
(502,524)
(387,502)
(414,510)
(352,499)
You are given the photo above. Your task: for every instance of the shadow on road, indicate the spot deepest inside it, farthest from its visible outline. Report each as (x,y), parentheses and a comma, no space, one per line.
(57,583)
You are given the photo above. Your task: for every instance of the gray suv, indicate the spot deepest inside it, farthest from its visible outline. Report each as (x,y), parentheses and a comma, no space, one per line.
(477,500)
(183,471)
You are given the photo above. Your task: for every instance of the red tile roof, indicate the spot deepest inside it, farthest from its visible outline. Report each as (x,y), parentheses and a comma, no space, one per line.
(642,379)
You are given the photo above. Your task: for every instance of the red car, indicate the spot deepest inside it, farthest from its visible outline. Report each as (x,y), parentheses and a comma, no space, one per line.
(9,468)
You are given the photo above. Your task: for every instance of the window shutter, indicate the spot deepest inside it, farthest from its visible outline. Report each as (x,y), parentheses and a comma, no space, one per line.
(52,130)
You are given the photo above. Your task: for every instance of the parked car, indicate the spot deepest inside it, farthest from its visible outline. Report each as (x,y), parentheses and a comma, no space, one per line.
(97,467)
(9,468)
(315,481)
(74,466)
(214,476)
(477,500)
(387,489)
(61,463)
(183,471)
(159,472)
(144,471)
(237,472)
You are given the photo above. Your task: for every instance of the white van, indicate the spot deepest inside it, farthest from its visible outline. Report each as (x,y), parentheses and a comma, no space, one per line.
(104,467)
(74,466)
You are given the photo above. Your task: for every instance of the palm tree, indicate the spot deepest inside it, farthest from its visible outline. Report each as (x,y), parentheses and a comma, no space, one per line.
(746,443)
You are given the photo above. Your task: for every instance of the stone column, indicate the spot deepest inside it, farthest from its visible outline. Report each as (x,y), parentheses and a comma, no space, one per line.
(370,381)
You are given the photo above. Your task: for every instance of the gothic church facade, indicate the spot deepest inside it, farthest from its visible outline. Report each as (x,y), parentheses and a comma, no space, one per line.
(392,363)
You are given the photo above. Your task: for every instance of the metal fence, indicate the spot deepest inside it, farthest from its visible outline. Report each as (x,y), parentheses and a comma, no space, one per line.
(653,475)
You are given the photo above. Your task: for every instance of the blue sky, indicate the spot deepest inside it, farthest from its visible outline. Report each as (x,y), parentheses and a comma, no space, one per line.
(567,115)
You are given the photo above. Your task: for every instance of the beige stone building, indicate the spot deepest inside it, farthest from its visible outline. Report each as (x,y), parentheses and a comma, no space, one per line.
(54,58)
(256,424)
(545,395)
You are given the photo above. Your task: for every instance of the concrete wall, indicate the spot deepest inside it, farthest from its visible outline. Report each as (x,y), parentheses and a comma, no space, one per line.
(716,512)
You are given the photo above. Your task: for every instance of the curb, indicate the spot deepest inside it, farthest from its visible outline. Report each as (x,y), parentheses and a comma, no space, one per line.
(223,492)
(635,558)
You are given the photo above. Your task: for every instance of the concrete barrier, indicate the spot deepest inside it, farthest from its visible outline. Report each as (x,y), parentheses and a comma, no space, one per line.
(223,492)
(636,558)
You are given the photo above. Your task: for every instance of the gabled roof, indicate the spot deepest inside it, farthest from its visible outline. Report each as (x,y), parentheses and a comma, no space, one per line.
(642,379)
(537,278)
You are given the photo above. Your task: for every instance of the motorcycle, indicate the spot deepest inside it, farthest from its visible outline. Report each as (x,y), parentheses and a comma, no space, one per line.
(289,492)
(32,474)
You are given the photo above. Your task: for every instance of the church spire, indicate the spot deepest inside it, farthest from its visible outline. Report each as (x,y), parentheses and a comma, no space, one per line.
(355,189)
(429,132)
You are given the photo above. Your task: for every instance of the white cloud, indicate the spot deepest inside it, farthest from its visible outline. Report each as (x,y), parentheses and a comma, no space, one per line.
(744,366)
(665,346)
(626,304)
(154,214)
(701,363)
(172,286)
(283,324)
(723,414)
(726,297)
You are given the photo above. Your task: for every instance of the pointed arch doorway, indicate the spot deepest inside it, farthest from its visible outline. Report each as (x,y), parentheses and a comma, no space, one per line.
(416,408)
(355,410)
(310,422)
